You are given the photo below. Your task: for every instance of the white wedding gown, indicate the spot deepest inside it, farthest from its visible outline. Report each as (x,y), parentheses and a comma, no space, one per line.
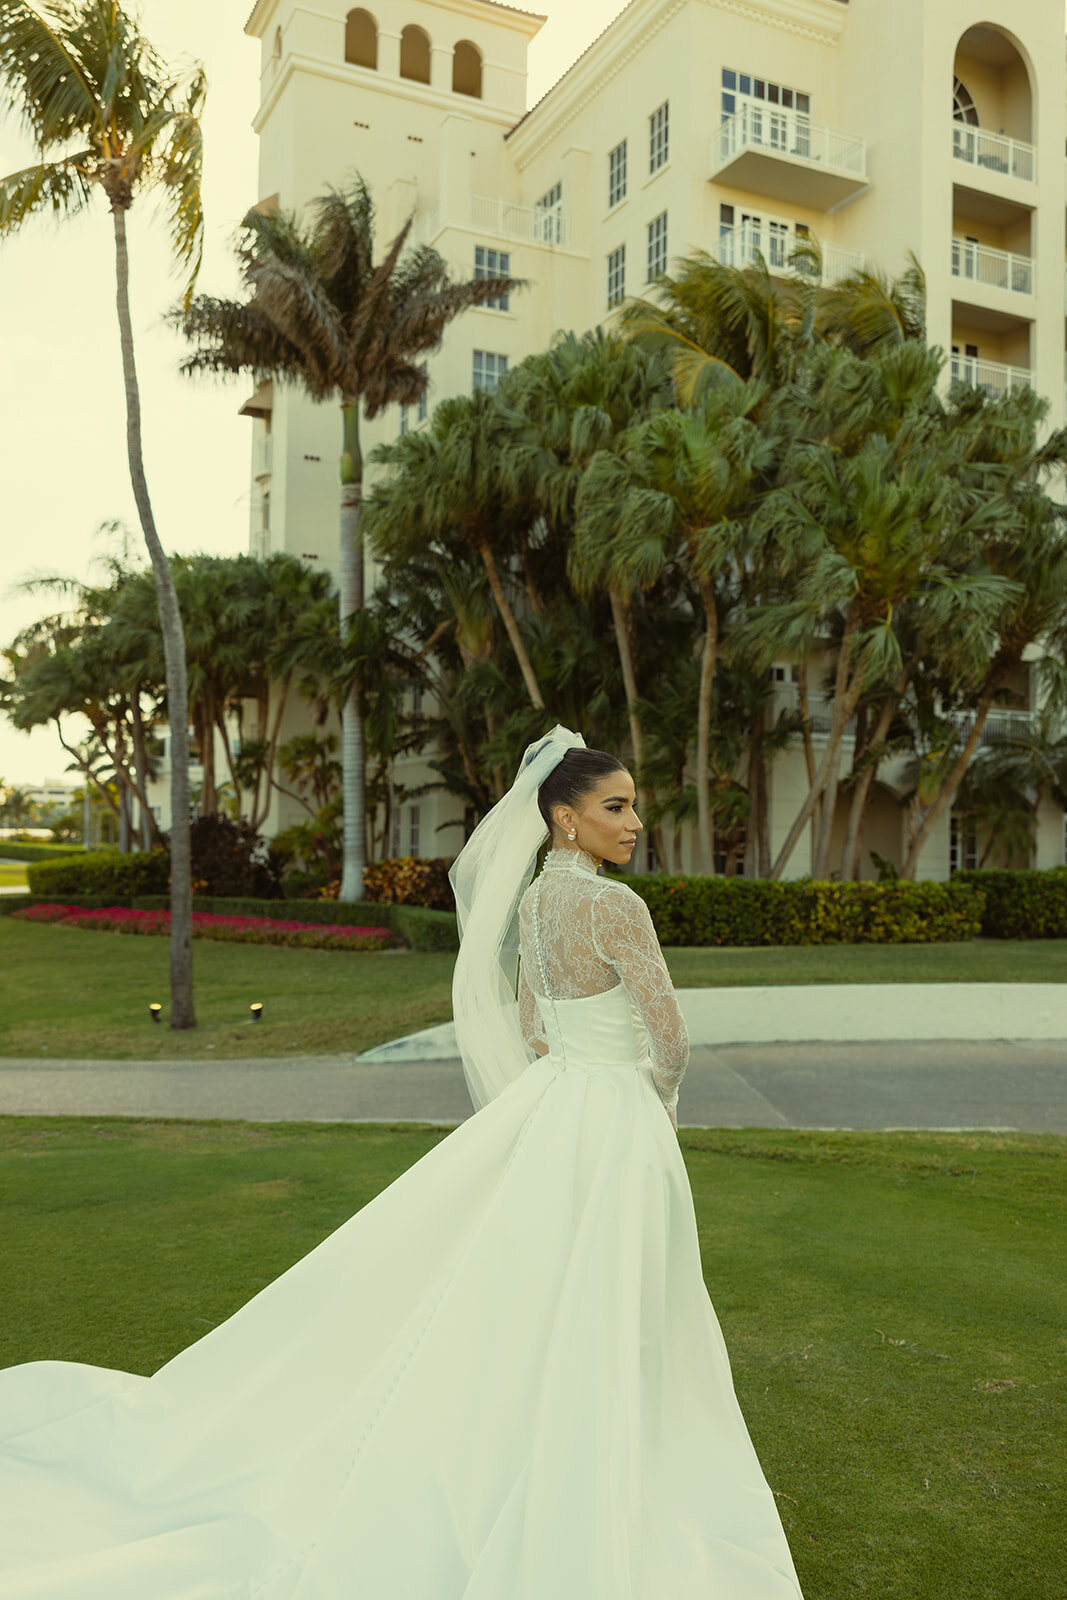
(501,1380)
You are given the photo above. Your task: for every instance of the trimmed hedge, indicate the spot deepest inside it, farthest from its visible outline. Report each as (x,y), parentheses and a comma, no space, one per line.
(38,852)
(105,872)
(756,911)
(1021,905)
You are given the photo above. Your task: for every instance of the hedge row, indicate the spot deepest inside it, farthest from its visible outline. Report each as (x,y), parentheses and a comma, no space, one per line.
(412,925)
(39,851)
(104,872)
(755,911)
(1021,905)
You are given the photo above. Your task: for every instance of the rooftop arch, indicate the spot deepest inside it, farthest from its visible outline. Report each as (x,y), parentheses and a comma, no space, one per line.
(467,69)
(361,39)
(994,72)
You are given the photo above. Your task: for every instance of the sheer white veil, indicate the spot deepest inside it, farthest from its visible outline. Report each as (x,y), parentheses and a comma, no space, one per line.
(488,878)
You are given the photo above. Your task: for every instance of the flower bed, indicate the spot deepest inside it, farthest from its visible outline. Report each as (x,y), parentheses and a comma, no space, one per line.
(210,925)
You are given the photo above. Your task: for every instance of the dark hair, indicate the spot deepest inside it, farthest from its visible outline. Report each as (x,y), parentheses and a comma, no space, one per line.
(578,772)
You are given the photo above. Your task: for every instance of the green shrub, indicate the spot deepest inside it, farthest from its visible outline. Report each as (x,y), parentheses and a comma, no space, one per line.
(757,911)
(410,881)
(102,872)
(230,858)
(421,929)
(1021,905)
(17,850)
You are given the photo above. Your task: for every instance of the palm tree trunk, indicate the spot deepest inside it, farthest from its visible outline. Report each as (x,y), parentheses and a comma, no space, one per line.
(182,1014)
(809,745)
(850,855)
(844,705)
(755,784)
(707,677)
(353,744)
(512,627)
(622,619)
(947,792)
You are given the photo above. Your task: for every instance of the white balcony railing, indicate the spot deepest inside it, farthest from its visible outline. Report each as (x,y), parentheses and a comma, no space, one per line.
(501,219)
(994,152)
(786,133)
(992,376)
(994,269)
(1000,724)
(743,245)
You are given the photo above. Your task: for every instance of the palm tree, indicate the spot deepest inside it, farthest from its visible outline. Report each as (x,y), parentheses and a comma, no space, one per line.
(322,314)
(112,117)
(467,479)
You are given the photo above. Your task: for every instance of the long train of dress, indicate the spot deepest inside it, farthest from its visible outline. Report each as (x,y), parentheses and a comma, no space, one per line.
(501,1380)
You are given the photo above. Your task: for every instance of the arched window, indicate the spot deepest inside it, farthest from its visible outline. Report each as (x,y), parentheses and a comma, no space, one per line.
(963,106)
(361,39)
(414,54)
(467,69)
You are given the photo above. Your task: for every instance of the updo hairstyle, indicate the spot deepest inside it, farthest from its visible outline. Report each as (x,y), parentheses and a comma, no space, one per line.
(572,779)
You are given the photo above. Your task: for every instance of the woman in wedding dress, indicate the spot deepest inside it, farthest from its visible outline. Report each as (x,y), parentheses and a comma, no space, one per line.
(503,1378)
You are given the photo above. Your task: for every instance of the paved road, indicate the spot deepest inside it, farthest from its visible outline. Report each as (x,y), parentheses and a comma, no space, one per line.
(992,1084)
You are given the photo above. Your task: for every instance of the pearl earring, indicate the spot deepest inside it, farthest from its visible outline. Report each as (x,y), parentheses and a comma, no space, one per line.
(573,834)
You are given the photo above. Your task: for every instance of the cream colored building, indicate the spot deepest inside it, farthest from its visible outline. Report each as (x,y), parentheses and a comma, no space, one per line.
(878,127)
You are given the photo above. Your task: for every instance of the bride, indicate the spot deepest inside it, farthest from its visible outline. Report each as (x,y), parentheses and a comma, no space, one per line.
(503,1378)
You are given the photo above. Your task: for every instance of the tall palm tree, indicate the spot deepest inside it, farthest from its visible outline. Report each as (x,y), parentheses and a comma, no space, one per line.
(324,315)
(467,479)
(112,117)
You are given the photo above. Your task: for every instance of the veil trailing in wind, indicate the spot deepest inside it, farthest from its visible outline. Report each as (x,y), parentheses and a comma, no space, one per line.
(489,877)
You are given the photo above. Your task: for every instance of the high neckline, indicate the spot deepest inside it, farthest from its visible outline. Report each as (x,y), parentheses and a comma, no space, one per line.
(566,860)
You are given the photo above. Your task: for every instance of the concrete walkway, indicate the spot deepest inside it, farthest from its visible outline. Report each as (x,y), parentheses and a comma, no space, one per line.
(1002,1084)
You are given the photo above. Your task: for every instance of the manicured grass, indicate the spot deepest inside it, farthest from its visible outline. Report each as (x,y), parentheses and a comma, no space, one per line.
(12,872)
(64,992)
(893,1305)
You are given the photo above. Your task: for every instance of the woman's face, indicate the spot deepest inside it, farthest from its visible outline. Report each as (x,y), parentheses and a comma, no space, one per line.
(604,819)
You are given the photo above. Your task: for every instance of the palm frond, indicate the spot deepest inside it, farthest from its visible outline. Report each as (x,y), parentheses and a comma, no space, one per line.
(60,186)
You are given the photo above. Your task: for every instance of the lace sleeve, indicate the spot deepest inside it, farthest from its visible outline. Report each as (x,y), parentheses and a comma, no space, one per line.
(530,1017)
(624,937)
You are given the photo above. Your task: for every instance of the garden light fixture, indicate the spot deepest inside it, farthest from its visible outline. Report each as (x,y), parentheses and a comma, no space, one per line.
(257,1011)
(155,1010)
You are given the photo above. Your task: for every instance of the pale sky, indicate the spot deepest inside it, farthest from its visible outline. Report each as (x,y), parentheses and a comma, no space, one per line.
(62,416)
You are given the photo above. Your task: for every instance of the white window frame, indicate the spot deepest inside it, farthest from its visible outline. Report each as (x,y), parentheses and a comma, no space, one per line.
(659,137)
(962,843)
(548,216)
(617,276)
(492,263)
(657,247)
(414,830)
(617,174)
(487,369)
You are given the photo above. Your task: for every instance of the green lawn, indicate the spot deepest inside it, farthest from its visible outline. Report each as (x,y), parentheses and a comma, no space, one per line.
(12,872)
(65,992)
(894,1305)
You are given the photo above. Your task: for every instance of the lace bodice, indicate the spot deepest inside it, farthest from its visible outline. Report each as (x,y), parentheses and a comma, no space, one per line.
(581,935)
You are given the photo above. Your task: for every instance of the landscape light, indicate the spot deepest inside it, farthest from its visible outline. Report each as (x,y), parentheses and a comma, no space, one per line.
(155,1010)
(257,1011)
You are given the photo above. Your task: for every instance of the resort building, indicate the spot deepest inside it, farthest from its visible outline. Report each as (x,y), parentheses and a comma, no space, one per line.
(933,127)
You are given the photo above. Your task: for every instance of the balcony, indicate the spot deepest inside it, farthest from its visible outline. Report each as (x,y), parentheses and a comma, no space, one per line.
(993,153)
(983,266)
(1000,725)
(992,376)
(742,246)
(780,153)
(485,214)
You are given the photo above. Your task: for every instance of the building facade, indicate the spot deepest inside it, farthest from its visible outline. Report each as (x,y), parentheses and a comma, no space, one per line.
(926,127)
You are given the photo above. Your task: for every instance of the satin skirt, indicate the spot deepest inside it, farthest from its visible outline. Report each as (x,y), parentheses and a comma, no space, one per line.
(502,1379)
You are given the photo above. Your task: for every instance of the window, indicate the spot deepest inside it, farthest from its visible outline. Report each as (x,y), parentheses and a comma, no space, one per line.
(962,843)
(361,39)
(745,234)
(548,216)
(492,264)
(489,368)
(657,246)
(617,276)
(784,122)
(658,138)
(413,830)
(394,835)
(419,408)
(415,54)
(617,174)
(963,106)
(467,69)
